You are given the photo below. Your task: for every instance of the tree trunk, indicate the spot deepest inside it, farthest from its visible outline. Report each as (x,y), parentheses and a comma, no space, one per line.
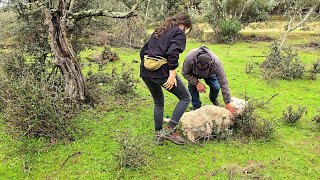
(63,53)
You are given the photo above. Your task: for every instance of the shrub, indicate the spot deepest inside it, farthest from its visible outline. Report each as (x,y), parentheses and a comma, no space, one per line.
(98,78)
(315,70)
(250,65)
(35,111)
(33,106)
(317,118)
(291,117)
(123,83)
(104,57)
(282,63)
(133,151)
(249,124)
(227,31)
(197,33)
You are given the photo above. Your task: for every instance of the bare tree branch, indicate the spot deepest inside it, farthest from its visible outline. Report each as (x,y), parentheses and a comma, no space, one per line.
(101,12)
(306,17)
(291,28)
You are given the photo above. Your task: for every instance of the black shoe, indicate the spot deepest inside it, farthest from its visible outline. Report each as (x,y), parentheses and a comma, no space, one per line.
(216,103)
(195,107)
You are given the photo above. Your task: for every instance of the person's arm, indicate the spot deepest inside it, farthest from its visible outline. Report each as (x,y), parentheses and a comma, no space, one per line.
(176,46)
(222,79)
(187,72)
(143,49)
(172,81)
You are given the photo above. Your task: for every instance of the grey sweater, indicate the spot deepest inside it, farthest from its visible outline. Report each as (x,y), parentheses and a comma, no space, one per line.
(192,73)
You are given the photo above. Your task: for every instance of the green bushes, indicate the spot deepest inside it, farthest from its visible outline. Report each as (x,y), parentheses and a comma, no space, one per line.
(227,31)
(291,117)
(123,83)
(282,63)
(315,70)
(249,124)
(317,118)
(133,151)
(33,106)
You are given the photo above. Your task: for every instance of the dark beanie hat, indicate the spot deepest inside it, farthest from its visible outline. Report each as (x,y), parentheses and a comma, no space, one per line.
(204,59)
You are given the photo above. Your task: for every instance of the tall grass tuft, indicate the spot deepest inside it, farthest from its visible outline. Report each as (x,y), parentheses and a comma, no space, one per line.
(133,151)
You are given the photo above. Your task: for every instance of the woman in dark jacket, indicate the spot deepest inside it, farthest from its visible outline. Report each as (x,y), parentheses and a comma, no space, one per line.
(167,42)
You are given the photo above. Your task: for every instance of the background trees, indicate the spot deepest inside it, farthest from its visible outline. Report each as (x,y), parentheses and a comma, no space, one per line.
(227,17)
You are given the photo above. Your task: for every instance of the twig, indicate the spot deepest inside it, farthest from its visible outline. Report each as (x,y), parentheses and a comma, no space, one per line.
(273,96)
(74,154)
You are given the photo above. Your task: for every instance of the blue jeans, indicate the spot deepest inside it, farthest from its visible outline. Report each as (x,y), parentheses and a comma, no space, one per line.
(214,85)
(180,91)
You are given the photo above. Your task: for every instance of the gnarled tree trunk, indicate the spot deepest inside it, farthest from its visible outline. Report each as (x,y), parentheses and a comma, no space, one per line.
(62,50)
(63,53)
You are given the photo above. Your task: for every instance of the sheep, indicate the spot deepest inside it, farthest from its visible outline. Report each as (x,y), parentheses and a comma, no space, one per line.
(208,119)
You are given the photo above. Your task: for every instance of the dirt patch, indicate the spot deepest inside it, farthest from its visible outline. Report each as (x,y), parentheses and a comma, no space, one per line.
(251,171)
(256,38)
(314,45)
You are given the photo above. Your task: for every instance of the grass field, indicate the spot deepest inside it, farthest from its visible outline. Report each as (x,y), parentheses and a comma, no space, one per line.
(292,152)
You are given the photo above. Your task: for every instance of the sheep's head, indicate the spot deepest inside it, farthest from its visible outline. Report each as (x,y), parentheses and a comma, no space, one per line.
(239,104)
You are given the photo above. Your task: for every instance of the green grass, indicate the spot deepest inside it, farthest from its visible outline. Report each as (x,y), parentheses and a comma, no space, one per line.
(292,153)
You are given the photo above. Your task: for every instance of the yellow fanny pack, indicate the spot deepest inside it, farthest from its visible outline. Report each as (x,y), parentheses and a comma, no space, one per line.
(154,63)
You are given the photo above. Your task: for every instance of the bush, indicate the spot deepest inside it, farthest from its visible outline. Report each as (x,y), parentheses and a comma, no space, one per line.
(249,124)
(124,83)
(282,63)
(35,111)
(133,151)
(98,78)
(104,57)
(315,70)
(291,117)
(197,33)
(228,30)
(34,106)
(250,66)
(317,118)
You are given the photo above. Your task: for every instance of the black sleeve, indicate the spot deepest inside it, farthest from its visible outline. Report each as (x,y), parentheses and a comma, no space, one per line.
(177,46)
(143,50)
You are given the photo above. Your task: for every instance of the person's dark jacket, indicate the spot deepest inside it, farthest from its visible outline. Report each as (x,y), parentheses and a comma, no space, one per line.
(192,73)
(169,45)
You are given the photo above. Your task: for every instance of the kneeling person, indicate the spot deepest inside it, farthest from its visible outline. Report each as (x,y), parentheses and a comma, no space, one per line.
(202,63)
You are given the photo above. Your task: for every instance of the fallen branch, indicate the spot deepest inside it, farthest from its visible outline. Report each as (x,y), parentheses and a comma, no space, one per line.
(74,154)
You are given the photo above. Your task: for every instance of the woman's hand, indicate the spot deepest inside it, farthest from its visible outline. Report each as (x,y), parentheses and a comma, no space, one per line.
(171,81)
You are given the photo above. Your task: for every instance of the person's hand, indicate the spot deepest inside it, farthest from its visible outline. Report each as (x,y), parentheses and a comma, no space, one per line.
(231,108)
(201,87)
(171,81)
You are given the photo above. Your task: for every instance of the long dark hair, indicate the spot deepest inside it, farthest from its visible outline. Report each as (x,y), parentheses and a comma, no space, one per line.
(179,18)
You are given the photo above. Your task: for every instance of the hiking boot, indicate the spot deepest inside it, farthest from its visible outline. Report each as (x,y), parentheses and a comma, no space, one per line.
(172,135)
(216,103)
(158,138)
